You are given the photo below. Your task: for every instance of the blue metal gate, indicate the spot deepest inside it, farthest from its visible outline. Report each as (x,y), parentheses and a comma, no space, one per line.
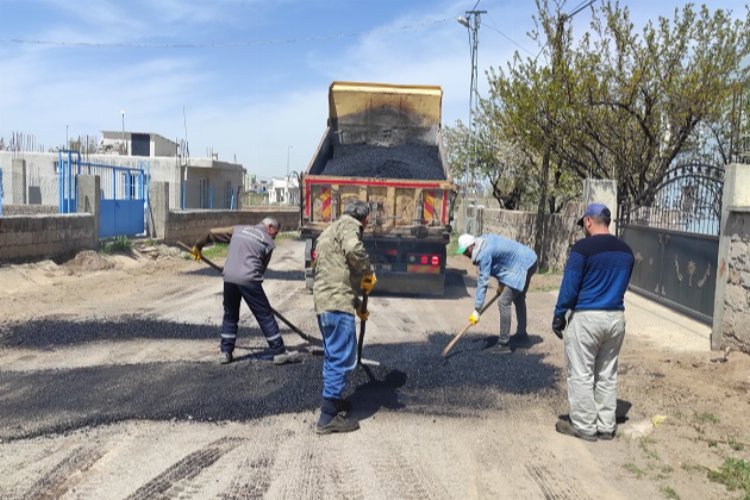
(124,193)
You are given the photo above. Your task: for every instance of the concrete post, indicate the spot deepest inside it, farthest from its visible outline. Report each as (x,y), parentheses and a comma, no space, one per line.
(602,191)
(18,181)
(159,209)
(89,200)
(736,195)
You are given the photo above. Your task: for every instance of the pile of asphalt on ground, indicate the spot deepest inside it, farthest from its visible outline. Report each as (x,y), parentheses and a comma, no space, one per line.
(406,161)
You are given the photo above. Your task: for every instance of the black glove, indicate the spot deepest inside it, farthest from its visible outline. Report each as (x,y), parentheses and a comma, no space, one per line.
(558,325)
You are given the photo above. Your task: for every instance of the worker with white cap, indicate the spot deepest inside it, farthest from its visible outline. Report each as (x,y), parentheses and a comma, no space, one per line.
(512,264)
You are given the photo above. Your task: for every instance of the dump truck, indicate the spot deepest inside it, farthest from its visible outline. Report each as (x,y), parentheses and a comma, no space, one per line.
(383,145)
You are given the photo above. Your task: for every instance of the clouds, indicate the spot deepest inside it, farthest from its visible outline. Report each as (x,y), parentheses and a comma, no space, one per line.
(264,89)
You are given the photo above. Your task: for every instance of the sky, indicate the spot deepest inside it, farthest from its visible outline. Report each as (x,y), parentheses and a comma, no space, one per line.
(246,79)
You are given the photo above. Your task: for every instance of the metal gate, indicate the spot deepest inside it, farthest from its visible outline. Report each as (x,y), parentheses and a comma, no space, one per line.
(124,193)
(675,239)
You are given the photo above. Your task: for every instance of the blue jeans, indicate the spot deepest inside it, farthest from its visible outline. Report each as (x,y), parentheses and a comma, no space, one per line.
(256,300)
(340,345)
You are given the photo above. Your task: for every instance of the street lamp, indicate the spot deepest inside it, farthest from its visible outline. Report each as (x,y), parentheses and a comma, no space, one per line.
(122,112)
(288,149)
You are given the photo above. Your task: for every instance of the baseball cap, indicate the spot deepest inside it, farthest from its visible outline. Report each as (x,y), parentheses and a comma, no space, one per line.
(595,210)
(464,242)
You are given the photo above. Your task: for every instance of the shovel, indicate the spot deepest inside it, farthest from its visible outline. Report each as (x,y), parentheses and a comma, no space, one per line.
(466,328)
(362,324)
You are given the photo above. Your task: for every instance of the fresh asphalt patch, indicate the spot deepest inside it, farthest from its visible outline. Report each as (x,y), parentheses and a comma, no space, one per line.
(412,377)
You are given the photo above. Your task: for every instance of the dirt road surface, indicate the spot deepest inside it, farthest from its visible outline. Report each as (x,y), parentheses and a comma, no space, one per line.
(111,388)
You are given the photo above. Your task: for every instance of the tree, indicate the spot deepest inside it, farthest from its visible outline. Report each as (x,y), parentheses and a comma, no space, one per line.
(620,104)
(489,157)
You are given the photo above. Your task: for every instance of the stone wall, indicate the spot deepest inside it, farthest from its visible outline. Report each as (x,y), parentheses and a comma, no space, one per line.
(189,225)
(561,231)
(735,321)
(34,237)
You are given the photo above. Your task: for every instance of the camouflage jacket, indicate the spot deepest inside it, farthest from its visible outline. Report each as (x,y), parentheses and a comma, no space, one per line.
(341,260)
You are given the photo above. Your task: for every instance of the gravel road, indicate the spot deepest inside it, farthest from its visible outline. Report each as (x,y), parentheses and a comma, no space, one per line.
(110,388)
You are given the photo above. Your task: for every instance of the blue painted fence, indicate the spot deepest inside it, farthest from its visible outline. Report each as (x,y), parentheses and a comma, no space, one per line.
(124,193)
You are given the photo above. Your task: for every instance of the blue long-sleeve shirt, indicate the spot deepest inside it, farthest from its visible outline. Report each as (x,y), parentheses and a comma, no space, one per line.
(505,259)
(596,275)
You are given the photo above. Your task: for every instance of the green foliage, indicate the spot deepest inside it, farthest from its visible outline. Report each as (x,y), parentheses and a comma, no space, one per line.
(217,250)
(634,469)
(621,104)
(120,244)
(734,474)
(670,493)
(707,418)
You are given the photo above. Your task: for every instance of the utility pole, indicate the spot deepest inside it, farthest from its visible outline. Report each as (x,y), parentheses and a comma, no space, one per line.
(472,22)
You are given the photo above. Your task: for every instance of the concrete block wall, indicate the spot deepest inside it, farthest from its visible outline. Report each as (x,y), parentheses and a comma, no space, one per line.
(34,237)
(735,324)
(29,209)
(189,225)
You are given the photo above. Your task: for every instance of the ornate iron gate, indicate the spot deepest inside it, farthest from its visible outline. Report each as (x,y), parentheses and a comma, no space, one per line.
(675,239)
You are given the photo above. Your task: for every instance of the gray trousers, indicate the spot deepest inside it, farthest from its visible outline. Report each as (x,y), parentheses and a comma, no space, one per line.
(510,296)
(592,347)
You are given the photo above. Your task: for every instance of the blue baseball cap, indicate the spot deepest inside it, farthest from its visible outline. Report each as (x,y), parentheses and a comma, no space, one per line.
(595,210)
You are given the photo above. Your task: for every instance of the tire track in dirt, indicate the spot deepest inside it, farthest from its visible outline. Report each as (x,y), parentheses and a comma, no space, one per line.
(553,483)
(176,478)
(65,474)
(402,477)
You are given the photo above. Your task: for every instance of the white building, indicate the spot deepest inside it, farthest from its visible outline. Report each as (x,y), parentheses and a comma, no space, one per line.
(284,191)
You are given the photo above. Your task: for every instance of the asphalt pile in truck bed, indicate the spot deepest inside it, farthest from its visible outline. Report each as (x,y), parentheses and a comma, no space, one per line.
(407,161)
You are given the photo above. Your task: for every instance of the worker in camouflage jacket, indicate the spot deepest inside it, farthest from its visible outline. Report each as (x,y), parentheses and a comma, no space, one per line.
(341,269)
(250,250)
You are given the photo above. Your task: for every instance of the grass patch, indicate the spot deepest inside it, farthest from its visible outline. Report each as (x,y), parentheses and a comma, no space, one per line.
(670,493)
(734,474)
(217,250)
(286,235)
(121,244)
(645,445)
(706,418)
(633,469)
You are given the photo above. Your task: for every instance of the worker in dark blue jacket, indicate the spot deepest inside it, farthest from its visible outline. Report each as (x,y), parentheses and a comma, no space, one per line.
(593,288)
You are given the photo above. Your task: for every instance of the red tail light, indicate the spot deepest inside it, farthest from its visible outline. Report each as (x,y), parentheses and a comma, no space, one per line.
(435,261)
(393,252)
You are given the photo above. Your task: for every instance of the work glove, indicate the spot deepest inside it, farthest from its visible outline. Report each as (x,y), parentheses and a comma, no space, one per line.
(363,315)
(195,253)
(558,325)
(474,317)
(368,282)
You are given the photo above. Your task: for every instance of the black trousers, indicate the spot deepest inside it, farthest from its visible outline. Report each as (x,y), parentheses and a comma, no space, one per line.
(256,300)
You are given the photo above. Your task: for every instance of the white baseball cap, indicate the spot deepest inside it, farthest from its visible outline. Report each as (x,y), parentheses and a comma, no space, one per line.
(464,242)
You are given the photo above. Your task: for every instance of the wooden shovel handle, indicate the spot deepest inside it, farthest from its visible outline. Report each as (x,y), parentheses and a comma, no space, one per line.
(466,328)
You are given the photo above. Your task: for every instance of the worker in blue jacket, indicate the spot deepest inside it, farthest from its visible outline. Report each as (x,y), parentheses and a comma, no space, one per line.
(512,264)
(593,288)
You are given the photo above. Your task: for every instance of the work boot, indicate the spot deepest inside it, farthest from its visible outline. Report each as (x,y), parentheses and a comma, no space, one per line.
(338,424)
(519,339)
(564,426)
(225,358)
(286,357)
(500,348)
(607,435)
(343,407)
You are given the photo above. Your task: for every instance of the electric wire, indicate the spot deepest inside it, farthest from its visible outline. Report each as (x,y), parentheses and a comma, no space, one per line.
(211,45)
